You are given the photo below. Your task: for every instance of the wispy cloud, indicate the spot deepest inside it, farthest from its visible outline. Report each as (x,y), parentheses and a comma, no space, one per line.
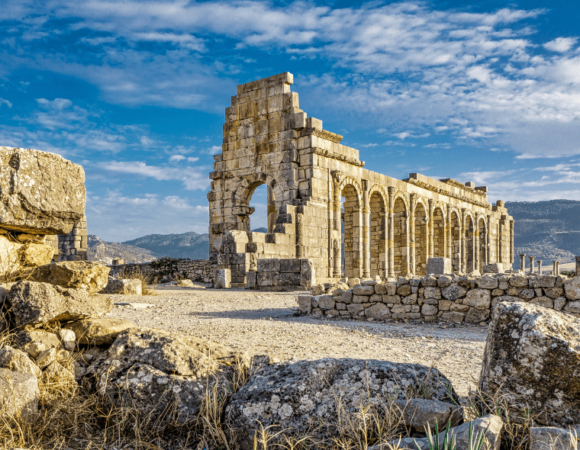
(561,44)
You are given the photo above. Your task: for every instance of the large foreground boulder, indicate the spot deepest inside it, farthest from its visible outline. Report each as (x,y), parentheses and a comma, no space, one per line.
(19,393)
(164,375)
(32,303)
(40,192)
(87,275)
(532,359)
(313,397)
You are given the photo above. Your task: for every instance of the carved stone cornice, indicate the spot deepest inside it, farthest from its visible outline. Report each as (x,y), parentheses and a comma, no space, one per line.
(447,193)
(338,157)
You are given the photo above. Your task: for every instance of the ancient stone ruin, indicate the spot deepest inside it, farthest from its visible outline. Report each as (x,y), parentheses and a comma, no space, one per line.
(391,227)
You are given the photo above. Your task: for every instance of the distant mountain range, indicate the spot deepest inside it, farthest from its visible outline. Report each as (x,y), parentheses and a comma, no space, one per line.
(549,230)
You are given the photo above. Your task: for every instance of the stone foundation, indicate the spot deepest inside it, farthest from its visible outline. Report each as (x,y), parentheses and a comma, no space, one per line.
(277,274)
(198,270)
(445,298)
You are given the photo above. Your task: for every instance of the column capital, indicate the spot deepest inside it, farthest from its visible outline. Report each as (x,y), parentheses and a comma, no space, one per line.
(391,190)
(336,175)
(365,185)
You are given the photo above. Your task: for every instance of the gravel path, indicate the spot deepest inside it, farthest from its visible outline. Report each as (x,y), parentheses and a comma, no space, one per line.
(266,323)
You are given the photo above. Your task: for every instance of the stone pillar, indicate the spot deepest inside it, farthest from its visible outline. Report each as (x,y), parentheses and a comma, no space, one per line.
(391,242)
(475,243)
(488,243)
(523,262)
(555,268)
(299,235)
(539,266)
(430,246)
(463,242)
(449,237)
(532,258)
(406,267)
(366,252)
(511,261)
(412,237)
(577,258)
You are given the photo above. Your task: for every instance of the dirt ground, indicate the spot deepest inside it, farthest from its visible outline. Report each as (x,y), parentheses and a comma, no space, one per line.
(267,323)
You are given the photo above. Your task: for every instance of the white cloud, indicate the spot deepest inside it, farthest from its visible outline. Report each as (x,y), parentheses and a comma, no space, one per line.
(177,158)
(192,178)
(560,44)
(5,102)
(193,159)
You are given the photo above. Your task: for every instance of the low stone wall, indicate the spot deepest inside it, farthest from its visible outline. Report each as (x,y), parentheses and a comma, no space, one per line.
(282,274)
(446,298)
(198,270)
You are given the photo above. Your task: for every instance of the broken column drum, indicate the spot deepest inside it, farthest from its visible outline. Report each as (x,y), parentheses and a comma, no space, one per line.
(318,187)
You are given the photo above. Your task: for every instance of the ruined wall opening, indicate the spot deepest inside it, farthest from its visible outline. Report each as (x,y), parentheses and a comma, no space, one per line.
(263,218)
(421,239)
(469,244)
(438,233)
(401,245)
(351,234)
(482,237)
(455,242)
(377,235)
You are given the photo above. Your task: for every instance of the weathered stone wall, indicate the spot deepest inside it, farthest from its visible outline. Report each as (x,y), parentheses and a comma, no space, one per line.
(198,270)
(391,227)
(282,274)
(73,246)
(447,298)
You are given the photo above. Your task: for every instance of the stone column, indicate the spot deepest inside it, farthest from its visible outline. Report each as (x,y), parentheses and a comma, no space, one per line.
(449,235)
(366,253)
(523,262)
(463,241)
(532,258)
(391,225)
(488,243)
(511,242)
(475,243)
(412,237)
(406,267)
(539,267)
(555,268)
(431,244)
(299,236)
(577,258)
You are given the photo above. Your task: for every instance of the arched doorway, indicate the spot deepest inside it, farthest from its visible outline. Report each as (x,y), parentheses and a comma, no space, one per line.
(377,235)
(258,203)
(482,235)
(421,239)
(401,246)
(351,231)
(438,233)
(455,242)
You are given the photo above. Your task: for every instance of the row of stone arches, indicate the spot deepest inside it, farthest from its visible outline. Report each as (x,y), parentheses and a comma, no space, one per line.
(418,231)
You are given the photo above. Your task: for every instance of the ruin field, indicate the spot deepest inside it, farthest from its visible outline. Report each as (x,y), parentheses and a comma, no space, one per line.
(266,323)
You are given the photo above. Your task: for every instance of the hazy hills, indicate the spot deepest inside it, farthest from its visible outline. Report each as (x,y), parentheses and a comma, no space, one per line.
(548,230)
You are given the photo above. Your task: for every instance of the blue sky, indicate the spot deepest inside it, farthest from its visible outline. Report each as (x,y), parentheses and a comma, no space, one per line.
(135,91)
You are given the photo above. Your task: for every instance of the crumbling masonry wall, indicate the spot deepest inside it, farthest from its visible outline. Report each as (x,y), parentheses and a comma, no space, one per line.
(269,140)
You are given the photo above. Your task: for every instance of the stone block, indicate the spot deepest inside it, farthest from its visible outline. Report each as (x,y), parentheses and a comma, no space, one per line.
(453,317)
(429,310)
(124,287)
(223,279)
(325,302)
(493,268)
(251,280)
(290,265)
(478,298)
(269,265)
(363,290)
(487,282)
(378,312)
(355,308)
(552,438)
(439,266)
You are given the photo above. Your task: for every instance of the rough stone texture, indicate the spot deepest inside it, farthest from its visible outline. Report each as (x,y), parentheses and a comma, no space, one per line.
(127,287)
(68,338)
(551,438)
(17,361)
(153,369)
(34,342)
(493,268)
(572,288)
(302,397)
(439,266)
(32,303)
(40,192)
(16,257)
(90,276)
(454,292)
(490,425)
(19,393)
(223,279)
(532,355)
(420,412)
(102,331)
(198,270)
(478,298)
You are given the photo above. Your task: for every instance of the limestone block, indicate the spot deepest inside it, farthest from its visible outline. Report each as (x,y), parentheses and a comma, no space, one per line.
(269,265)
(360,299)
(458,307)
(101,331)
(453,317)
(554,292)
(391,288)
(346,297)
(493,268)
(559,303)
(478,298)
(355,308)
(526,293)
(543,281)
(572,307)
(444,305)
(18,361)
(444,281)
(392,299)
(90,276)
(429,310)
(530,355)
(487,282)
(378,312)
(290,265)
(363,290)
(552,438)
(380,289)
(572,288)
(325,302)
(40,192)
(439,266)
(124,287)
(404,290)
(432,292)
(307,273)
(546,302)
(19,393)
(409,299)
(454,292)
(476,315)
(224,279)
(286,279)
(251,280)
(519,281)
(68,338)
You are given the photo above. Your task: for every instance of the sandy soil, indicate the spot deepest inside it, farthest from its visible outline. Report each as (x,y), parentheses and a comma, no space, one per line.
(267,323)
